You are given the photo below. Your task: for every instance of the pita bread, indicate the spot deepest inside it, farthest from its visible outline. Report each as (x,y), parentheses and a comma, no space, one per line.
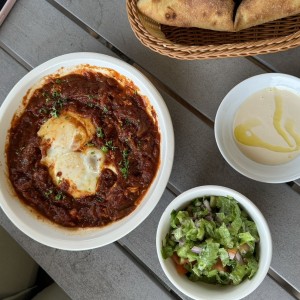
(207,14)
(255,12)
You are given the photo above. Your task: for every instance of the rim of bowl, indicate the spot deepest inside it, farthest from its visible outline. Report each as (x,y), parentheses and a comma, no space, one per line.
(224,124)
(186,197)
(112,233)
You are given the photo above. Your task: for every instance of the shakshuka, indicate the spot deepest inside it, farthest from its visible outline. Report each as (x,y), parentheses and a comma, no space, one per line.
(85,148)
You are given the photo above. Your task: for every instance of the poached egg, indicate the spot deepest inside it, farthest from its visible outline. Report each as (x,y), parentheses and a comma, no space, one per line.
(66,153)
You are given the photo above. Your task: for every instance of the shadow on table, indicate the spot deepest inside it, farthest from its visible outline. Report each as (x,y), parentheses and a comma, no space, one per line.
(21,277)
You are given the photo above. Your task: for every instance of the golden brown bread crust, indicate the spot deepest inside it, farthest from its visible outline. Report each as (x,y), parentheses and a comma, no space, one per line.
(207,14)
(255,12)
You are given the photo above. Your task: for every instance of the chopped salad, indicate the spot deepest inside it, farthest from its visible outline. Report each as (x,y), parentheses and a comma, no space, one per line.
(213,240)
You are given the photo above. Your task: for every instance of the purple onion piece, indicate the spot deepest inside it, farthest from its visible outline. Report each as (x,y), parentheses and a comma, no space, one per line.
(231,255)
(239,258)
(206,204)
(196,249)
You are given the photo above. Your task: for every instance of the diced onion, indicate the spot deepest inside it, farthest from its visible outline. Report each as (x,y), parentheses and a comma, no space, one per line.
(207,205)
(196,249)
(239,258)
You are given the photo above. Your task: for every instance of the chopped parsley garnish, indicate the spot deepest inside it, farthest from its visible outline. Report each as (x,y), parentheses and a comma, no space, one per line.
(90,144)
(47,96)
(48,192)
(104,149)
(59,196)
(58,80)
(54,112)
(55,94)
(110,145)
(20,150)
(99,199)
(99,132)
(43,110)
(124,164)
(105,109)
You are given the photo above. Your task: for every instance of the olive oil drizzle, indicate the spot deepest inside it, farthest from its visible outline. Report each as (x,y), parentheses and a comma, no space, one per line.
(244,132)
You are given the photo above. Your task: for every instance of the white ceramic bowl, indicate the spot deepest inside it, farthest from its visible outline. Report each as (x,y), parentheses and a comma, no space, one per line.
(55,236)
(204,291)
(224,129)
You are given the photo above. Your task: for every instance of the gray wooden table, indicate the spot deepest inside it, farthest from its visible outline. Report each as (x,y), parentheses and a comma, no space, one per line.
(37,30)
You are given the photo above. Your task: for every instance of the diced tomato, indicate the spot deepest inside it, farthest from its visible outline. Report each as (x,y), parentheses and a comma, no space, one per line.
(179,266)
(218,266)
(176,258)
(181,269)
(232,252)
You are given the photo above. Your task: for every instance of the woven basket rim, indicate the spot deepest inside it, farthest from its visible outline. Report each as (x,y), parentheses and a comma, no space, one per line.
(181,51)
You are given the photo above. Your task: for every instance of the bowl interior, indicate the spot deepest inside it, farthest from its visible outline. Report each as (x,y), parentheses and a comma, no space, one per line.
(224,129)
(200,290)
(48,233)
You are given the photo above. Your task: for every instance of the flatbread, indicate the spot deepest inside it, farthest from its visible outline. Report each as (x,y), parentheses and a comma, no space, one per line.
(207,14)
(255,12)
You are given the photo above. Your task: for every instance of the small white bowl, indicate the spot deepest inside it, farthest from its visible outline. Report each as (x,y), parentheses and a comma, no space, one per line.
(46,232)
(205,291)
(224,129)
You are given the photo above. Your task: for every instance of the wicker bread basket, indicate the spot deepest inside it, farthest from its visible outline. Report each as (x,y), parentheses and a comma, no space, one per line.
(194,43)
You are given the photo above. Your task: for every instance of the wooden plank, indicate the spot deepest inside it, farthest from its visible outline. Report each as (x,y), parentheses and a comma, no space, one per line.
(38,26)
(284,62)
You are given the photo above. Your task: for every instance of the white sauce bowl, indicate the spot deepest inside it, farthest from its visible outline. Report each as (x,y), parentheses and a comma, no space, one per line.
(224,123)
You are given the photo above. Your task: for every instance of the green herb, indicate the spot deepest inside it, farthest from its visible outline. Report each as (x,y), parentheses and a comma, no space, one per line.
(58,80)
(59,180)
(110,145)
(59,196)
(105,109)
(104,149)
(127,122)
(43,110)
(90,104)
(99,199)
(99,132)
(215,241)
(93,152)
(59,102)
(124,164)
(47,96)
(54,113)
(55,94)
(48,192)
(20,150)
(90,144)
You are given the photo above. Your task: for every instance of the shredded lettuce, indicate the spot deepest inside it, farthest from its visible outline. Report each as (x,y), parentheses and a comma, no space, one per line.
(214,239)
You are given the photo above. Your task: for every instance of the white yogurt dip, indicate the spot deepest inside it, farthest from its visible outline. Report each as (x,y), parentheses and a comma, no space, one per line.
(267,126)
